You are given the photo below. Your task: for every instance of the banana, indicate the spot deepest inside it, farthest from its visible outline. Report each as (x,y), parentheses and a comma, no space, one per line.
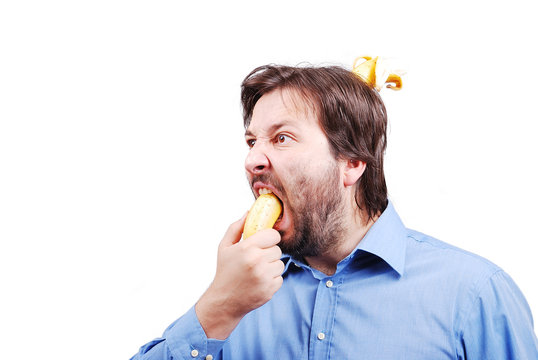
(366,68)
(262,215)
(377,72)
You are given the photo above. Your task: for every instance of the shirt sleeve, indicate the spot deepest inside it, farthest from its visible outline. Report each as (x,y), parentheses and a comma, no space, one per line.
(183,339)
(499,323)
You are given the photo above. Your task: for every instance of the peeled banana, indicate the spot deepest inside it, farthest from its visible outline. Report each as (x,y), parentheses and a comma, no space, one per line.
(263,214)
(378,72)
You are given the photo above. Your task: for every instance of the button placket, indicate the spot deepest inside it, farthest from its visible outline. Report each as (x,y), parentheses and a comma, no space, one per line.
(323,317)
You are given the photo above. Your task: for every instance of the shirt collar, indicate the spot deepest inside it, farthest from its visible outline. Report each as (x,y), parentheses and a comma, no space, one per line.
(385,239)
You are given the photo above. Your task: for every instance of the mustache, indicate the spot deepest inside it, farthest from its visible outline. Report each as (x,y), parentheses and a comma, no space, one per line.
(268,179)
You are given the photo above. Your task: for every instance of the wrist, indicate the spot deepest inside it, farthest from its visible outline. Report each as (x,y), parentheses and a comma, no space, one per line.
(215,317)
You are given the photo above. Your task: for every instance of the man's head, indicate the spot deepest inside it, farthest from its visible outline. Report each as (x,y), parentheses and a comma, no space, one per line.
(340,123)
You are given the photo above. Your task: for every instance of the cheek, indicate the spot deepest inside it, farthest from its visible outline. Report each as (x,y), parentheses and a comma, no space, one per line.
(299,173)
(296,186)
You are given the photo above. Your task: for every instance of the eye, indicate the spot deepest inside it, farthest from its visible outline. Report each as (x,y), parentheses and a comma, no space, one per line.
(251,142)
(282,138)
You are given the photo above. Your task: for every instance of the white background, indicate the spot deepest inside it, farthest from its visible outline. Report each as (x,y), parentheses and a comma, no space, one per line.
(121,147)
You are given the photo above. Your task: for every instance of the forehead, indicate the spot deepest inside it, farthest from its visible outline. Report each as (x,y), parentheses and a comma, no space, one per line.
(283,107)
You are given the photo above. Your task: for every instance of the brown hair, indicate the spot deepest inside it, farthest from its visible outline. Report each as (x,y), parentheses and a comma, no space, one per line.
(350,112)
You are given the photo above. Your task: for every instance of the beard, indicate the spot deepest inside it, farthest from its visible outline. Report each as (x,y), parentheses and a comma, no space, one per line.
(316,206)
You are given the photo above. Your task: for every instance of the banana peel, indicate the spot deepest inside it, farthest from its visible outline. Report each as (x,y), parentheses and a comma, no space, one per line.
(378,72)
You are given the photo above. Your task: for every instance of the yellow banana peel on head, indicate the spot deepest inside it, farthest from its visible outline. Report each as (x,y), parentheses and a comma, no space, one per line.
(263,214)
(377,72)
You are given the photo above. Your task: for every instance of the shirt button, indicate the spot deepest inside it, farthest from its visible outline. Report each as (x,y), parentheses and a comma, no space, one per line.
(209,357)
(194,353)
(329,284)
(321,336)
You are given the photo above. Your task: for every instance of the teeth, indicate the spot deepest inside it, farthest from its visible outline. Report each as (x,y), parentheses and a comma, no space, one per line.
(263,191)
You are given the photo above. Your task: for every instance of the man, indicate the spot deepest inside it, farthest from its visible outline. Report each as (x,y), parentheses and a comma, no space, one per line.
(339,276)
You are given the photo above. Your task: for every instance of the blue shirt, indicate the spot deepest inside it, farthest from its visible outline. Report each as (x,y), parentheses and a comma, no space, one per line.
(399,295)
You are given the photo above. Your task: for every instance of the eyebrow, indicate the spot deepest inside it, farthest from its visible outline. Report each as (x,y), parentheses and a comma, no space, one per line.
(272,129)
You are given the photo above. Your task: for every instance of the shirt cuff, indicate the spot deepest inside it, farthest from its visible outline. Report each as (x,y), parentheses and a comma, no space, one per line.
(186,339)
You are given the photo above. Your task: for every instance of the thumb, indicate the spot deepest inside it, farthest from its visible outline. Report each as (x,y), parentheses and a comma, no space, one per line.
(234,232)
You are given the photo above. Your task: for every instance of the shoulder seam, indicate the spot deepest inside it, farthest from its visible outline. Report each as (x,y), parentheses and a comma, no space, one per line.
(446,246)
(477,291)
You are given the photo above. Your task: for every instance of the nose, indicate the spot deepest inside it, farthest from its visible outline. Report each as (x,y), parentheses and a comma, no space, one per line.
(257,161)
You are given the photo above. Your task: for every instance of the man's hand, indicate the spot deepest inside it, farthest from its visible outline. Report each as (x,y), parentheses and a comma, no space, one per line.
(248,275)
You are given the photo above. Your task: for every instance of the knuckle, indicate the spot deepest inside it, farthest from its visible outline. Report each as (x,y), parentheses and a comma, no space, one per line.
(257,273)
(249,264)
(251,261)
(242,246)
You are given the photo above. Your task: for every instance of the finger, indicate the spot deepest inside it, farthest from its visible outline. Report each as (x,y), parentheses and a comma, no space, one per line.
(272,254)
(233,234)
(265,238)
(276,268)
(277,283)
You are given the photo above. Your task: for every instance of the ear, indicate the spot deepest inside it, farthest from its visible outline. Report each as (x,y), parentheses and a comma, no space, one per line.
(353,170)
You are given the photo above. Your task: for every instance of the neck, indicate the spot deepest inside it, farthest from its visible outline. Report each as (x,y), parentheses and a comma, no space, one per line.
(356,229)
